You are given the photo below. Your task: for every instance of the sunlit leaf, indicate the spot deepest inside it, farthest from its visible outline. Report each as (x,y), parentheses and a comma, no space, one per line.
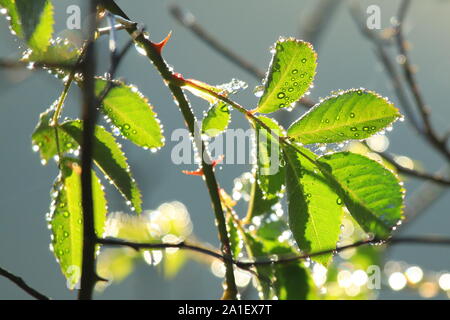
(31,20)
(60,51)
(66,218)
(258,204)
(44,137)
(290,75)
(246,187)
(115,264)
(315,210)
(290,280)
(270,164)
(173,262)
(372,193)
(234,236)
(216,119)
(352,114)
(132,114)
(110,159)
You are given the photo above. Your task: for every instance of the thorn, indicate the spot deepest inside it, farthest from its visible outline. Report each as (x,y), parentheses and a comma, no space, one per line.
(217,161)
(198,172)
(160,45)
(178,79)
(98,278)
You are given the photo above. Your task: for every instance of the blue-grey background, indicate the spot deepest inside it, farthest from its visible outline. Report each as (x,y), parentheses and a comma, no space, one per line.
(250,27)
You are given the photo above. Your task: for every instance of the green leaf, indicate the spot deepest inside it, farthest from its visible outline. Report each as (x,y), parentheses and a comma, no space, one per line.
(109,157)
(132,114)
(60,51)
(115,264)
(173,262)
(291,74)
(315,210)
(216,119)
(259,205)
(44,137)
(247,187)
(270,169)
(290,280)
(235,238)
(372,193)
(66,218)
(31,20)
(352,114)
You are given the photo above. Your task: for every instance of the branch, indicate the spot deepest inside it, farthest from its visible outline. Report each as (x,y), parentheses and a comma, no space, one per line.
(22,284)
(426,240)
(316,22)
(436,178)
(429,132)
(89,115)
(426,195)
(154,54)
(389,65)
(188,20)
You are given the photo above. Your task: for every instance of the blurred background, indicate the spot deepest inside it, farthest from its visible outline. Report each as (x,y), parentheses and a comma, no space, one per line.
(346,60)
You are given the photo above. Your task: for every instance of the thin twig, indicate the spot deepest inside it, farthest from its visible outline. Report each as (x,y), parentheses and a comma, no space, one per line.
(425,195)
(434,178)
(438,143)
(188,20)
(23,285)
(317,21)
(389,65)
(425,240)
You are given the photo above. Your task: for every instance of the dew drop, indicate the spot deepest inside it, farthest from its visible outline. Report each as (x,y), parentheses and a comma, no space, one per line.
(281,95)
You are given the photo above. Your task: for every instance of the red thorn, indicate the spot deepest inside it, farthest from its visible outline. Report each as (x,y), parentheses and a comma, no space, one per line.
(178,76)
(217,161)
(198,172)
(160,45)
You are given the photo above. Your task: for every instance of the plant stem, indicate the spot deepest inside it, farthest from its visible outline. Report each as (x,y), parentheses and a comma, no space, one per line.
(154,54)
(89,115)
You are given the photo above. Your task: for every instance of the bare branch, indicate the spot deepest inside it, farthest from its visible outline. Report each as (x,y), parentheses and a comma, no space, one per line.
(438,143)
(389,65)
(188,20)
(23,285)
(426,240)
(317,21)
